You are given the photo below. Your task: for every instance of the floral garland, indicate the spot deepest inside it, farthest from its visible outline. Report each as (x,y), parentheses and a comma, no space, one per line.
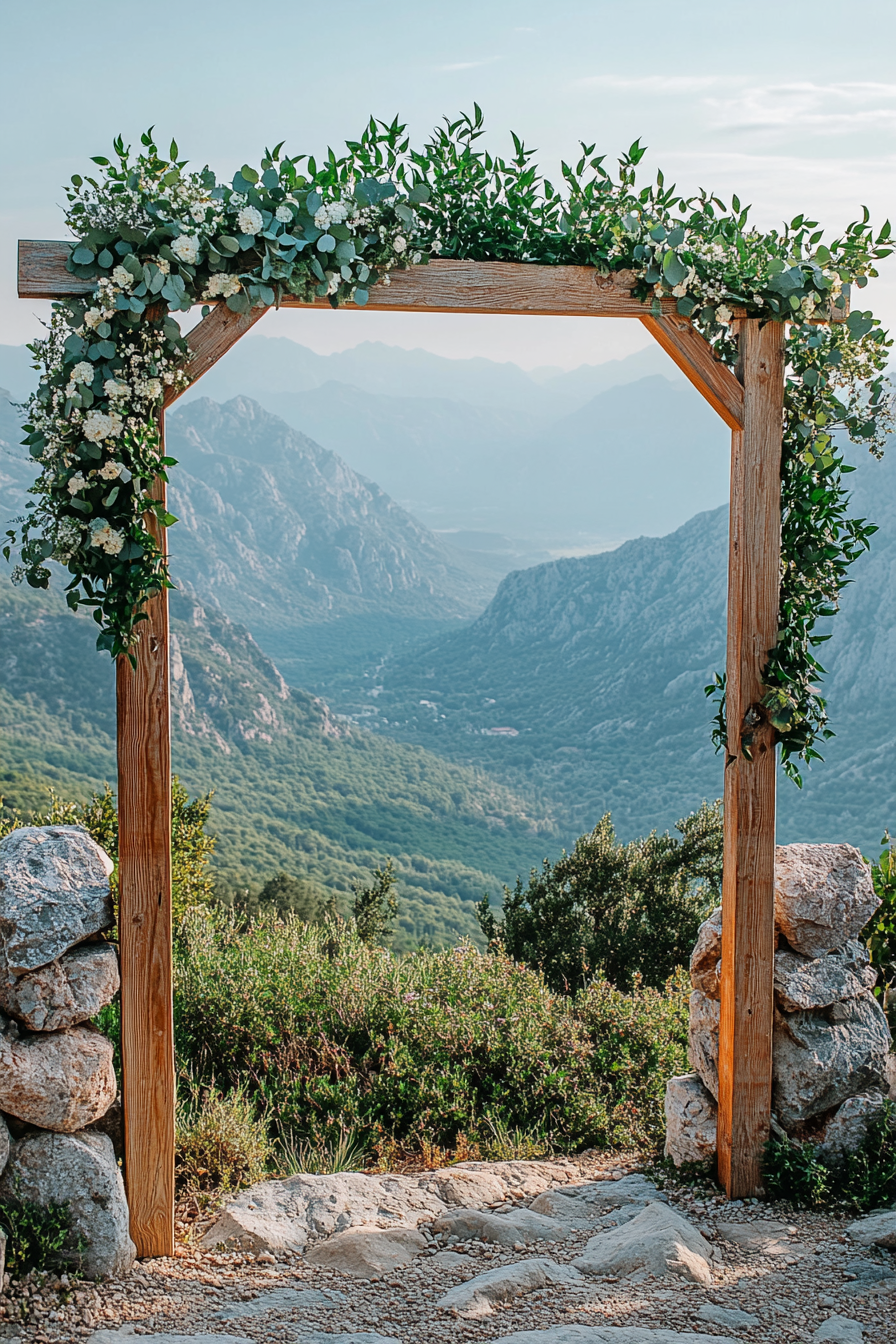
(158,239)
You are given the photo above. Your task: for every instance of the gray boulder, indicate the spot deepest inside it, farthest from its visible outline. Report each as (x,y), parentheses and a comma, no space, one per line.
(368,1252)
(823,896)
(656,1241)
(579,1205)
(477,1297)
(691,1120)
(54,892)
(58,1080)
(802,983)
(503,1229)
(5,1142)
(603,1334)
(70,990)
(733,1316)
(79,1170)
(706,958)
(848,1127)
(876,1229)
(703,1040)
(839,1330)
(820,1060)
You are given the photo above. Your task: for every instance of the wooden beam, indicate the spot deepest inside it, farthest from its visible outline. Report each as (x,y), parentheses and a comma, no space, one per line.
(212,338)
(144,924)
(444,286)
(694,356)
(748,885)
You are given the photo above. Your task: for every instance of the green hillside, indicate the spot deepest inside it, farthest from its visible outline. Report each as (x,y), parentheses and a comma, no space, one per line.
(295,788)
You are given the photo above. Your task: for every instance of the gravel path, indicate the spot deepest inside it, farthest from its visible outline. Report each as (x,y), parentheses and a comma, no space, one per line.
(792,1272)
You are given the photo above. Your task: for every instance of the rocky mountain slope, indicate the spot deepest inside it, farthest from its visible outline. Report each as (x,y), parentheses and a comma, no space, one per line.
(295,788)
(594,668)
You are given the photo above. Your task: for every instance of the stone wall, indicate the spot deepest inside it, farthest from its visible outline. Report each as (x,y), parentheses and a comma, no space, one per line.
(832,1046)
(57,1082)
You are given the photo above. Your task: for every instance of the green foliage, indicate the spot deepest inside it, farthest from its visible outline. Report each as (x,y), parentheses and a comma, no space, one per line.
(191,848)
(343,1152)
(881,929)
(38,1236)
(375,907)
(281,895)
(331,1036)
(613,910)
(157,239)
(220,1143)
(863,1180)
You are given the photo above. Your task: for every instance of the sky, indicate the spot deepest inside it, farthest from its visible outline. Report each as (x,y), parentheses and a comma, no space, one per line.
(789,103)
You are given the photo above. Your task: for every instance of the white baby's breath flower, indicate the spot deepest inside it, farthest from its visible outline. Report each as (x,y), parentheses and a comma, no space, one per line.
(76,483)
(163,265)
(83,372)
(333,212)
(186,248)
(283,214)
(222,285)
(110,470)
(249,220)
(122,278)
(399,244)
(151,388)
(99,426)
(104,536)
(199,210)
(114,389)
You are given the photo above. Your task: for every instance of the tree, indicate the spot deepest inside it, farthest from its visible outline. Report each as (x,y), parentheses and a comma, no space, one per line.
(612,909)
(375,908)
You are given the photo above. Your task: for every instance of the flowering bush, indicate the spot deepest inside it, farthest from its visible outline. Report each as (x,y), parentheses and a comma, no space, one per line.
(157,239)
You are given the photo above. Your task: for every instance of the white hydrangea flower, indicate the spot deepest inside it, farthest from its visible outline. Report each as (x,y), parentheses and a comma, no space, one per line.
(76,483)
(724,314)
(222,285)
(249,220)
(333,212)
(110,470)
(163,265)
(83,372)
(122,278)
(151,388)
(199,211)
(283,214)
(186,248)
(104,536)
(115,389)
(399,244)
(92,318)
(99,426)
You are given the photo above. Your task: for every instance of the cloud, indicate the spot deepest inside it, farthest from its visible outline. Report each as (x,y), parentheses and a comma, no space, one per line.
(470,65)
(821,108)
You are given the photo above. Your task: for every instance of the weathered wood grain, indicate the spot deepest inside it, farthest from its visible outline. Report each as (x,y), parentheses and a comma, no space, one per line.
(144,876)
(748,888)
(693,355)
(212,338)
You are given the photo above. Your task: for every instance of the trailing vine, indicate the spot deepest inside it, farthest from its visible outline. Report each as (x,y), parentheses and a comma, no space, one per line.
(157,239)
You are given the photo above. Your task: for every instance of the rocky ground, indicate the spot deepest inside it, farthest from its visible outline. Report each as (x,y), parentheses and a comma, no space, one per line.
(502,1271)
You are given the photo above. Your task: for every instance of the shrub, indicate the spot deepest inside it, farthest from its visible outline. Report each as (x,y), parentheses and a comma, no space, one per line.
(881,929)
(863,1180)
(330,1035)
(220,1143)
(613,910)
(375,908)
(281,895)
(37,1236)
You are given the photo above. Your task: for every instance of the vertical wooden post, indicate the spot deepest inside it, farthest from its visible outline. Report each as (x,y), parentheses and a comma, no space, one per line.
(748,893)
(144,875)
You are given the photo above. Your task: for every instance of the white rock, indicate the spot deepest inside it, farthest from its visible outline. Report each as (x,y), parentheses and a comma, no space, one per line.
(282,1299)
(732,1316)
(579,1205)
(657,1241)
(763,1237)
(504,1229)
(79,1170)
(611,1334)
(476,1298)
(368,1252)
(450,1260)
(70,990)
(891,1076)
(60,1080)
(4,1149)
(839,1330)
(817,982)
(848,1127)
(820,1060)
(823,896)
(876,1229)
(54,892)
(703,1039)
(706,958)
(691,1118)
(126,1334)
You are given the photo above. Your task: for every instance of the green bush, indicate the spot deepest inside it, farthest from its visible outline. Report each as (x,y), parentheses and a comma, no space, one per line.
(38,1236)
(330,1035)
(220,1143)
(862,1180)
(881,929)
(614,910)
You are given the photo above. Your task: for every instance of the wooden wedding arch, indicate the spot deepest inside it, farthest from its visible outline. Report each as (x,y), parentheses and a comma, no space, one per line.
(750,402)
